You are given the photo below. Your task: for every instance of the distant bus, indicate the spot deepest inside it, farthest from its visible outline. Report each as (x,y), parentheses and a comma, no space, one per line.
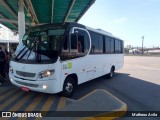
(55,58)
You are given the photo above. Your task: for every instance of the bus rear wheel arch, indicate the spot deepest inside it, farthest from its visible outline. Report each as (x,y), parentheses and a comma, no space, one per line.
(69,86)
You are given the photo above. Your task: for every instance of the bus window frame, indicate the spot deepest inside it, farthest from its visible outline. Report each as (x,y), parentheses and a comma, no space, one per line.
(72,52)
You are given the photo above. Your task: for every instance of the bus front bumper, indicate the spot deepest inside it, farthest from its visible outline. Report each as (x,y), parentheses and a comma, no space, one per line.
(45,86)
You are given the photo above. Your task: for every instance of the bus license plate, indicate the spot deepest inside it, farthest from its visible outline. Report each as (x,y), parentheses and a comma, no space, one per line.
(25,89)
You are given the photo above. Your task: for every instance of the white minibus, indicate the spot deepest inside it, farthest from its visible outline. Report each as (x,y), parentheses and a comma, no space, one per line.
(55,58)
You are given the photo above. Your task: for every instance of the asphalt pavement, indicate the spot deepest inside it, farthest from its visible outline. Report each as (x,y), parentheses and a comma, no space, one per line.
(137,84)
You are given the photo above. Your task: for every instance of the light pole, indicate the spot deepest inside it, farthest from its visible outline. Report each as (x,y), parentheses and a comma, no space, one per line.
(142,43)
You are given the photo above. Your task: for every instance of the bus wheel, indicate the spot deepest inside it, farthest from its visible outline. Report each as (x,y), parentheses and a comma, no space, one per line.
(110,75)
(68,87)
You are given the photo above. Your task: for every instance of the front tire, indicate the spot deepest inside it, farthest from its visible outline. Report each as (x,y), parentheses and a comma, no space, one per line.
(68,87)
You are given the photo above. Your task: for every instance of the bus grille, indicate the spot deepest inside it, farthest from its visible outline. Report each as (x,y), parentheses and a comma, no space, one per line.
(25,74)
(27,84)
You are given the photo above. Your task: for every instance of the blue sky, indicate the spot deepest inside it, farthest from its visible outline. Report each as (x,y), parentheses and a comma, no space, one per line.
(127,19)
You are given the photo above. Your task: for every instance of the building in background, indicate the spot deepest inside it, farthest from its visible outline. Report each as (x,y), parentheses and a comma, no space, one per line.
(8,39)
(7,34)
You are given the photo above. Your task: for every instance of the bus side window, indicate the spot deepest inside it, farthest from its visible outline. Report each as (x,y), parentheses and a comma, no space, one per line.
(65,45)
(73,41)
(80,44)
(83,42)
(75,45)
(65,49)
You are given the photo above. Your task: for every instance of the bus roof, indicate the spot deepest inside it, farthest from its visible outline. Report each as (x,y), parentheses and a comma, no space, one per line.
(74,24)
(100,31)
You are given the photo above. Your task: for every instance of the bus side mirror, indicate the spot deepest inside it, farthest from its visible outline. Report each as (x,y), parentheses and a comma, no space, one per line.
(74,41)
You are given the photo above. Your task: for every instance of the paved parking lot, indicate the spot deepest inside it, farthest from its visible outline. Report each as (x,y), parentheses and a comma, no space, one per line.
(137,84)
(16,100)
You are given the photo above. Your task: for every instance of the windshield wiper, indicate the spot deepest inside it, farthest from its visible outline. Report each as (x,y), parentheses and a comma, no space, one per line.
(38,56)
(30,48)
(36,42)
(20,53)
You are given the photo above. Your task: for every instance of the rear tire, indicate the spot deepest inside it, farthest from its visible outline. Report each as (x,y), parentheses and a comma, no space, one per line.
(68,87)
(110,75)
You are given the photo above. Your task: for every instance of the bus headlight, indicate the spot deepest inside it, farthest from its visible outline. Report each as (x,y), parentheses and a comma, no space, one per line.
(44,86)
(11,69)
(46,73)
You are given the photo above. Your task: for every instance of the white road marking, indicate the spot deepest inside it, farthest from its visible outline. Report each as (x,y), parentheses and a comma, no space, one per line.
(144,67)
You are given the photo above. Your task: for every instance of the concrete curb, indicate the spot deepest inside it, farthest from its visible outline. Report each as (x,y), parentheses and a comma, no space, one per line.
(116,113)
(97,105)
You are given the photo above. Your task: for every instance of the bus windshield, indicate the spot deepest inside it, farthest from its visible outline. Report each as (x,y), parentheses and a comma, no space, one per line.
(40,44)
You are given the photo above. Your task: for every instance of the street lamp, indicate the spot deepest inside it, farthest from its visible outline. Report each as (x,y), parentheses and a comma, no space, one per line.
(142,43)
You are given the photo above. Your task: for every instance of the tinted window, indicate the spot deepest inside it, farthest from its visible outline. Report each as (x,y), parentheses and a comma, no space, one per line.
(112,45)
(122,46)
(65,44)
(83,41)
(108,44)
(118,46)
(76,45)
(73,41)
(105,44)
(100,41)
(97,43)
